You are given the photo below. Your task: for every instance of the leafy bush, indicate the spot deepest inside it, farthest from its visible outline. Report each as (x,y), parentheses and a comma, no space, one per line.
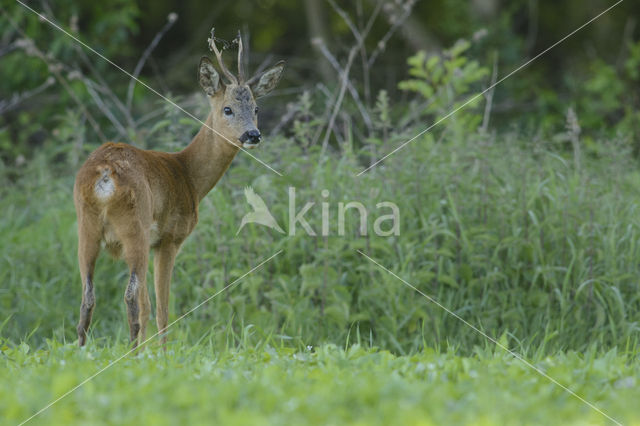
(447,82)
(608,99)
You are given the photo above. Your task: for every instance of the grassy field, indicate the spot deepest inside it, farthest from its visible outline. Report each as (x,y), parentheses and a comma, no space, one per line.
(533,243)
(510,294)
(202,384)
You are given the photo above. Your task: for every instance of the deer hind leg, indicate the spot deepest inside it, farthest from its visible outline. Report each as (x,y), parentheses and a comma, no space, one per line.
(88,250)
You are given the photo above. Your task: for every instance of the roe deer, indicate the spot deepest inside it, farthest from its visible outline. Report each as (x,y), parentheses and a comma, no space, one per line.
(135,200)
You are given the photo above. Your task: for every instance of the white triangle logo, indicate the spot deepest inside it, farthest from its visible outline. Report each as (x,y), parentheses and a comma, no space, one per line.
(260,213)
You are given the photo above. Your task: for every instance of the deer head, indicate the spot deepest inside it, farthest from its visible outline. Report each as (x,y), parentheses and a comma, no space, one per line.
(233,102)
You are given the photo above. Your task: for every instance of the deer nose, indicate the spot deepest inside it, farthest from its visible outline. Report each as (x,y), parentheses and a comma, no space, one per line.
(251,136)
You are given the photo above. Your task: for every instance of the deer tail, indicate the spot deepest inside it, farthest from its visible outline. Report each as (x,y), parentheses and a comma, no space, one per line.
(105,185)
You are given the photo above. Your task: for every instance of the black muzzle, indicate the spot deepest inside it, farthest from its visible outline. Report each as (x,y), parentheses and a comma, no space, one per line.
(251,137)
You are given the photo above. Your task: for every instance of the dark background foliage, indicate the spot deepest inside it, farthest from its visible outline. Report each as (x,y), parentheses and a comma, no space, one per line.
(509,31)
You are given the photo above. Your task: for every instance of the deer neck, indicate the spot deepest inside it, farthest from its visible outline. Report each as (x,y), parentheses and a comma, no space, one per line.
(207,157)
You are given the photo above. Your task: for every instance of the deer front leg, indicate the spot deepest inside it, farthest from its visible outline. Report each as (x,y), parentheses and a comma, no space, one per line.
(135,244)
(163,261)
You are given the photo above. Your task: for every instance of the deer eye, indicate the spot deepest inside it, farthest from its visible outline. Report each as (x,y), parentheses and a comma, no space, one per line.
(227,111)
(256,110)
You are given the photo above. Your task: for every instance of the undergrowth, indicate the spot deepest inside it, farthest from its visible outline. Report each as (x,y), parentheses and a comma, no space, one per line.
(515,234)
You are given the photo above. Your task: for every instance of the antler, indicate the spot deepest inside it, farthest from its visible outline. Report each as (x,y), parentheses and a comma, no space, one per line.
(240,59)
(218,53)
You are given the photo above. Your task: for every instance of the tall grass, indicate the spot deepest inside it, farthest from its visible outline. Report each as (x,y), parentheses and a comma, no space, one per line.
(512,233)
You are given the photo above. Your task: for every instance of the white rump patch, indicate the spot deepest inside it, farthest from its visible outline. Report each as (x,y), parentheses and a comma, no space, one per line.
(104,187)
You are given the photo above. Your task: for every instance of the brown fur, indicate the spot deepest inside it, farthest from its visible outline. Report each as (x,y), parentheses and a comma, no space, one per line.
(135,200)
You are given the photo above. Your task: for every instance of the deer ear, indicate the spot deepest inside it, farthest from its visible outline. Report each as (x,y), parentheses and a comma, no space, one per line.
(208,77)
(268,80)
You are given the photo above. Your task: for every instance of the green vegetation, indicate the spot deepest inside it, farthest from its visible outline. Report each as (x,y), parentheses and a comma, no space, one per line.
(518,236)
(520,214)
(530,242)
(261,385)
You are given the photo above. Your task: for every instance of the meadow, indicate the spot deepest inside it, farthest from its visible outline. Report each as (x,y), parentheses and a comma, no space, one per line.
(262,385)
(531,242)
(508,295)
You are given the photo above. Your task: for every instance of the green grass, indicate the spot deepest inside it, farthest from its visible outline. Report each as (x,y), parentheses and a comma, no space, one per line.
(532,243)
(326,385)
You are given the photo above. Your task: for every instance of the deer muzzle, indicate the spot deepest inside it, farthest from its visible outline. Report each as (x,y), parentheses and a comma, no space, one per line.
(250,138)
